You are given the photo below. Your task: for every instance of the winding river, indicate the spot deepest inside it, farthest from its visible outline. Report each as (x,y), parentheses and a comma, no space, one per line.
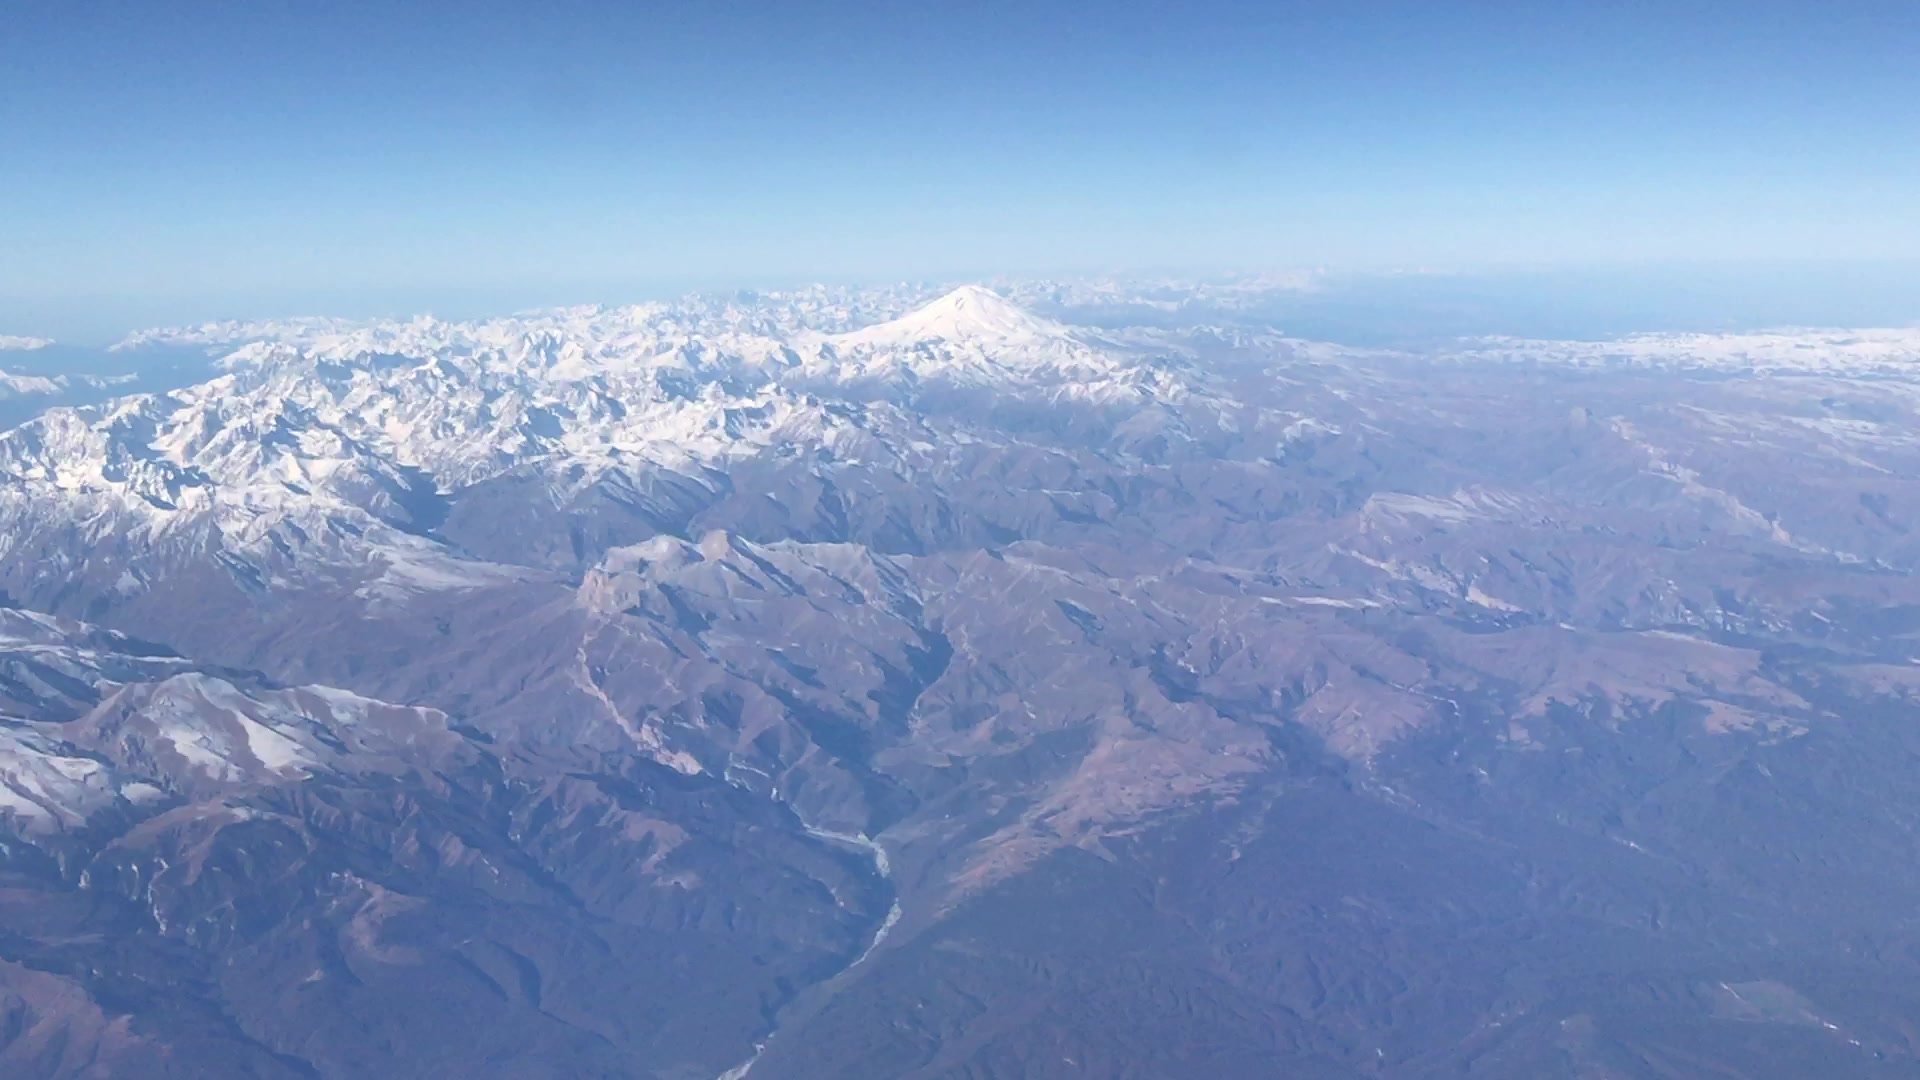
(881,866)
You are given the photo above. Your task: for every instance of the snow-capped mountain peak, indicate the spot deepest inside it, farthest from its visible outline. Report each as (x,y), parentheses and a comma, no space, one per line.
(974,336)
(969,314)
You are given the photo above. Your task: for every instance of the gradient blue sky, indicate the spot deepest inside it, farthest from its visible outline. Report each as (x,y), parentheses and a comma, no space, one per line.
(165,161)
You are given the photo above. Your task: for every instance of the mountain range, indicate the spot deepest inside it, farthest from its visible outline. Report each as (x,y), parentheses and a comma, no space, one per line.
(949,683)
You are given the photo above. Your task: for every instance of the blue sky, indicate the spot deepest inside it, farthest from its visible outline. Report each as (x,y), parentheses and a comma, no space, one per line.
(172,161)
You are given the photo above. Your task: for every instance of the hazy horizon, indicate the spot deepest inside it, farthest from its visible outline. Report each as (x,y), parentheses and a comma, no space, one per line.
(1355,307)
(252,162)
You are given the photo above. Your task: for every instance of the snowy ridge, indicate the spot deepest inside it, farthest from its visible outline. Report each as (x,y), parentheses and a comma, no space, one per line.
(818,309)
(196,736)
(337,444)
(45,784)
(26,385)
(326,402)
(335,447)
(90,718)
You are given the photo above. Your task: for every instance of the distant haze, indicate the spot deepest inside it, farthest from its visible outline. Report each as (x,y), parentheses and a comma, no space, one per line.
(1400,309)
(262,160)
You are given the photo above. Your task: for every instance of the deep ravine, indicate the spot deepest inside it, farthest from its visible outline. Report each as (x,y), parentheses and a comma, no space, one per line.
(881,866)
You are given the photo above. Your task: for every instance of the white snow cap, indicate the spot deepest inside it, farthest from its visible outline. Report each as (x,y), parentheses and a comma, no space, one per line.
(969,313)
